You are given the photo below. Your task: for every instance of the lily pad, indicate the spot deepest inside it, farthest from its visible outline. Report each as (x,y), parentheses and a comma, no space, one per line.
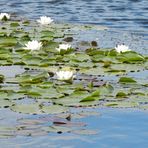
(26,108)
(128,104)
(54,109)
(7,41)
(127,80)
(131,57)
(5,103)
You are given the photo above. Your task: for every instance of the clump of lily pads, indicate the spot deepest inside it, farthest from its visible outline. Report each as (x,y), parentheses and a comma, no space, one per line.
(58,75)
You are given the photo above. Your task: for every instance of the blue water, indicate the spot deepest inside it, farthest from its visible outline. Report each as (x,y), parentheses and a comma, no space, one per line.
(127,14)
(116,129)
(128,23)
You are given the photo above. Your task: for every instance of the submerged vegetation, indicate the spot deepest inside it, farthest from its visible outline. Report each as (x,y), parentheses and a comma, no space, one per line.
(57,75)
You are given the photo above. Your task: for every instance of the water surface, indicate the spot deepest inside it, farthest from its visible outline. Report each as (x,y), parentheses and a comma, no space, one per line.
(116,129)
(128,23)
(127,14)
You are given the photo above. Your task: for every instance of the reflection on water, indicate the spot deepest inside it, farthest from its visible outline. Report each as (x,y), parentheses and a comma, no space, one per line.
(42,125)
(116,128)
(127,14)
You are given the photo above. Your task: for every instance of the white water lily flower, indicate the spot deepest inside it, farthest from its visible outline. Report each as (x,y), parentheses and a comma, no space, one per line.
(122,48)
(64,75)
(2,15)
(33,45)
(44,20)
(63,47)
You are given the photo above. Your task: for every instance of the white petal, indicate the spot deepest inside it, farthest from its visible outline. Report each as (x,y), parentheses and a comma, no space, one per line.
(44,20)
(2,15)
(122,48)
(33,45)
(64,75)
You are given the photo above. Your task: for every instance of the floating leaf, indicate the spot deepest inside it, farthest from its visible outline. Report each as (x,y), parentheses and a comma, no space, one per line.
(131,57)
(7,41)
(121,94)
(145,107)
(122,104)
(31,132)
(89,98)
(54,109)
(26,108)
(79,57)
(127,80)
(5,103)
(14,24)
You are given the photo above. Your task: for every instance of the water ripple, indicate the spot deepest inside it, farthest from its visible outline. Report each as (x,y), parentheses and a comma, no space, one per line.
(128,14)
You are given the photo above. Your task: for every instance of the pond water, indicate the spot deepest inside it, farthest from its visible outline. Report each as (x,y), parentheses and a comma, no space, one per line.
(127,14)
(127,19)
(115,127)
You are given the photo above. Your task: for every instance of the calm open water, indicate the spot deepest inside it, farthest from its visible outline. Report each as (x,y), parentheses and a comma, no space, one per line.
(123,14)
(117,128)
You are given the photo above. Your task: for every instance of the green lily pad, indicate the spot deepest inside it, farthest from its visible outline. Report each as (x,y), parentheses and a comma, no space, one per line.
(26,108)
(127,80)
(128,104)
(79,57)
(121,95)
(130,57)
(14,24)
(7,41)
(54,109)
(5,103)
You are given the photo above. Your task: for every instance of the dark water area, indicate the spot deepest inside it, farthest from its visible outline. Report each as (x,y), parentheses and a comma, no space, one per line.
(123,15)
